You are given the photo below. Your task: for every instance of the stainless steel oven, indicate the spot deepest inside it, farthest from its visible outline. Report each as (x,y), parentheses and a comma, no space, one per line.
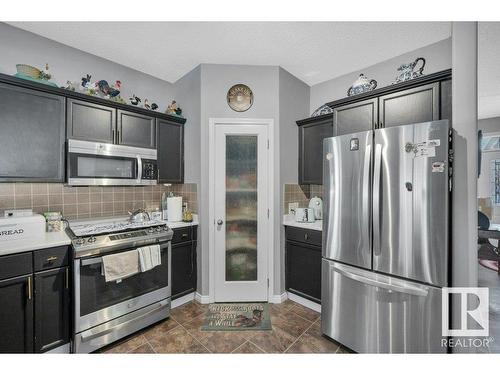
(106,311)
(94,163)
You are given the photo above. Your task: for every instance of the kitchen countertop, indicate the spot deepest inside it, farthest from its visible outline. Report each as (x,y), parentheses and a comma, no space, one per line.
(289,220)
(53,239)
(48,239)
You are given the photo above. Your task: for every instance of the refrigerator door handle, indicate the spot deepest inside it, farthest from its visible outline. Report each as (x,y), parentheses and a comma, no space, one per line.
(376,199)
(397,286)
(366,194)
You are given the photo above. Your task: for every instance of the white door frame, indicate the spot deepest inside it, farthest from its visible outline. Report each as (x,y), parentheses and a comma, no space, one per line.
(213,122)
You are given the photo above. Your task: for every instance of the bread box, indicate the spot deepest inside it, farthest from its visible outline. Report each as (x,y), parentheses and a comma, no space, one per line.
(21,227)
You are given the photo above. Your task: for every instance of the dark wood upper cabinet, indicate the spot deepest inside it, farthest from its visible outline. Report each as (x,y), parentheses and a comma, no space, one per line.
(16,315)
(32,135)
(170,146)
(52,309)
(90,122)
(445,99)
(311,134)
(355,117)
(134,129)
(419,104)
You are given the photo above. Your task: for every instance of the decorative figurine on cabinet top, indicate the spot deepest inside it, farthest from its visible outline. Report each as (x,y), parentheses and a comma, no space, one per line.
(134,100)
(361,85)
(407,71)
(173,109)
(323,110)
(146,104)
(33,74)
(108,91)
(88,86)
(154,106)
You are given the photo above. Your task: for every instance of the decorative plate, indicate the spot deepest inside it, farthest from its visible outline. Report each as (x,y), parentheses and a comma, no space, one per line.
(240,97)
(323,110)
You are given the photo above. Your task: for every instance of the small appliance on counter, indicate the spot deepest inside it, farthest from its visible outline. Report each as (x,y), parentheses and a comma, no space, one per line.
(317,205)
(304,215)
(174,209)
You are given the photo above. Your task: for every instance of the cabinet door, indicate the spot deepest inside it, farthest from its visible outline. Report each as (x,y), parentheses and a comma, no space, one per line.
(91,122)
(170,141)
(52,304)
(420,104)
(183,269)
(16,315)
(303,270)
(136,130)
(32,135)
(311,151)
(355,117)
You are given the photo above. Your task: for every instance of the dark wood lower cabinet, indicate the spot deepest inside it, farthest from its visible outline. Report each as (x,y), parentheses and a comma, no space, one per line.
(16,315)
(34,304)
(184,265)
(52,309)
(303,270)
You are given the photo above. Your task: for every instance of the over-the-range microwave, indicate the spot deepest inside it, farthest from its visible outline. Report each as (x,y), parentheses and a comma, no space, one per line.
(95,163)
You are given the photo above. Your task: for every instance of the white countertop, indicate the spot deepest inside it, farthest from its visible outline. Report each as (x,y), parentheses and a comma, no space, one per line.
(48,239)
(289,220)
(53,239)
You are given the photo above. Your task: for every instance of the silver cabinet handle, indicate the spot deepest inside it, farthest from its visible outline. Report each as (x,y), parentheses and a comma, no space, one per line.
(30,288)
(396,286)
(376,199)
(366,196)
(219,222)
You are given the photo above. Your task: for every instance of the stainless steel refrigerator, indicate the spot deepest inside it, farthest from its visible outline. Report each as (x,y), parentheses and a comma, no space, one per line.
(385,238)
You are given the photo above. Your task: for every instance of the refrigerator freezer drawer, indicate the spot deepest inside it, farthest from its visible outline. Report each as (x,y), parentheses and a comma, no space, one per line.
(373,313)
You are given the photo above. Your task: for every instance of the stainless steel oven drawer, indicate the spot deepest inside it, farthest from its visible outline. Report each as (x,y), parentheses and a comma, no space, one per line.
(107,333)
(373,313)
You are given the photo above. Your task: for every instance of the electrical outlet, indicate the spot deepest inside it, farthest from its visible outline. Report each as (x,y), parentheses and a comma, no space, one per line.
(292,207)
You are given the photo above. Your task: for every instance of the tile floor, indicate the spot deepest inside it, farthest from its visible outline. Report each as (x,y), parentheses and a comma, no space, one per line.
(296,329)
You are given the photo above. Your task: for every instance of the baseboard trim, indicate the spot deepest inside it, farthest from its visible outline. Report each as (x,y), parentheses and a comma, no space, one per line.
(304,302)
(277,298)
(182,300)
(201,298)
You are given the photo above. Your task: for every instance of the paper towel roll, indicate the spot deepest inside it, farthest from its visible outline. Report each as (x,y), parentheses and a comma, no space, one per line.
(174,206)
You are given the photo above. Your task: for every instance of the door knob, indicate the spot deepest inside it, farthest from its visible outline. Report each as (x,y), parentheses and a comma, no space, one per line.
(219,222)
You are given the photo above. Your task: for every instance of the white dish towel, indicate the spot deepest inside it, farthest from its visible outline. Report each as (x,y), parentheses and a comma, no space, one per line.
(119,266)
(149,257)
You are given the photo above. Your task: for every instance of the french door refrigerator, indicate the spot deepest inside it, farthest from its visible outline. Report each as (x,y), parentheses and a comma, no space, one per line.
(385,241)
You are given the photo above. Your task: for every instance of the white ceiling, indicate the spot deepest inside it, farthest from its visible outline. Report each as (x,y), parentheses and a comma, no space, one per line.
(312,51)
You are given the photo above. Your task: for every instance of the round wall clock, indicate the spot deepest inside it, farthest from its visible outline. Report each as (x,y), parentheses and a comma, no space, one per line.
(240,98)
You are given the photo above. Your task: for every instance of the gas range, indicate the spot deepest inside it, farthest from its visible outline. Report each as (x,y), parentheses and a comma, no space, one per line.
(92,237)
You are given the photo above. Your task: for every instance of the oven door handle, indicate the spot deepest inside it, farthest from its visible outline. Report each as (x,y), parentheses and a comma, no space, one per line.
(97,332)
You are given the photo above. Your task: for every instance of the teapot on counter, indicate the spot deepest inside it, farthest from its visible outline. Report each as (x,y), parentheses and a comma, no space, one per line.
(361,85)
(407,71)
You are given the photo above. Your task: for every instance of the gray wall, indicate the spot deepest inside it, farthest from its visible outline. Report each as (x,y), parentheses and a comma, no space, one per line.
(437,55)
(66,63)
(293,105)
(215,81)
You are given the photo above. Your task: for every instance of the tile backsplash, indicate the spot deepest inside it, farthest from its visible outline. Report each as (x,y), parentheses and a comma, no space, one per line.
(301,194)
(89,201)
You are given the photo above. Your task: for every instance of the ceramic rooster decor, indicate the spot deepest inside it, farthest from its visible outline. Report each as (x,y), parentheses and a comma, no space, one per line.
(134,100)
(86,81)
(154,106)
(146,104)
(104,88)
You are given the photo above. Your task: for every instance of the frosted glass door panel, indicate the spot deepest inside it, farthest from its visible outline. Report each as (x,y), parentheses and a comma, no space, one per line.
(241,207)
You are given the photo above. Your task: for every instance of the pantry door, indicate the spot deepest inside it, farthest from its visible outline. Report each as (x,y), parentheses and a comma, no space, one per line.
(241,213)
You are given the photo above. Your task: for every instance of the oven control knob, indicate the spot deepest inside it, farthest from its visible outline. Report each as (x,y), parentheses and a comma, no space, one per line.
(158,229)
(92,239)
(79,241)
(151,230)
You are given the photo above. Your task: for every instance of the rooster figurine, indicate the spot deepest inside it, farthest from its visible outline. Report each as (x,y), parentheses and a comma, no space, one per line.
(108,90)
(146,104)
(154,106)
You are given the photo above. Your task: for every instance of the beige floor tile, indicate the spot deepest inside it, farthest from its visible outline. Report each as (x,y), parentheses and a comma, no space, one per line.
(177,340)
(143,349)
(160,329)
(188,311)
(247,348)
(305,312)
(312,341)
